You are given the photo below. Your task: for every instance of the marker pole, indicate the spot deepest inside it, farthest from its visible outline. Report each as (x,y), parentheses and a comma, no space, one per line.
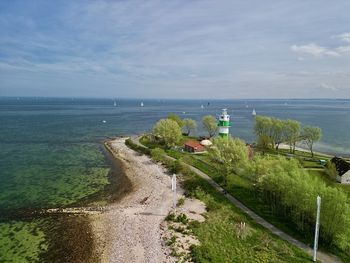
(317,227)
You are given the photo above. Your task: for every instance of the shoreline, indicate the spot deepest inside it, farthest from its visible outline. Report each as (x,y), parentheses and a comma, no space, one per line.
(129,230)
(324,153)
(285,146)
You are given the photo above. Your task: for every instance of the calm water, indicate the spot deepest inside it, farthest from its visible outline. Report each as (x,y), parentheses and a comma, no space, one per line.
(50,148)
(51,152)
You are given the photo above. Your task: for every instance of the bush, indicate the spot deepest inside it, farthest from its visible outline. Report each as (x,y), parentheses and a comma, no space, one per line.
(291,192)
(182,218)
(331,171)
(170,217)
(137,148)
(158,154)
(180,202)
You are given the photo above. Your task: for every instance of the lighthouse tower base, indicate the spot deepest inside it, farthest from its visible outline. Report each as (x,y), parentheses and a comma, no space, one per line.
(224,124)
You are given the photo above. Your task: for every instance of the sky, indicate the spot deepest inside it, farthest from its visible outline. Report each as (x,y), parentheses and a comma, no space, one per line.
(175,49)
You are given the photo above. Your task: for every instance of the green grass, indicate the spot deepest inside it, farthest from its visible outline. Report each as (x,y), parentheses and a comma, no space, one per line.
(218,236)
(146,141)
(305,154)
(149,143)
(323,176)
(243,190)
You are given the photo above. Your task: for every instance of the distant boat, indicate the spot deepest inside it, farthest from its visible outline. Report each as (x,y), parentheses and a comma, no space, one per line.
(104,121)
(208,104)
(115,104)
(202,106)
(247,106)
(254,112)
(141,104)
(184,112)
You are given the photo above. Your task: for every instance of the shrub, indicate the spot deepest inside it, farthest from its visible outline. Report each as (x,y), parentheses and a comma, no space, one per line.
(182,218)
(180,202)
(170,217)
(137,148)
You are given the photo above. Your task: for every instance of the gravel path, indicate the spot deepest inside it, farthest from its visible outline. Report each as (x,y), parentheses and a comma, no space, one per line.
(130,229)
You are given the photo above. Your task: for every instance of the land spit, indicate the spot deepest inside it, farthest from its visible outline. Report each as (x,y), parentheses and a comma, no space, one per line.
(129,230)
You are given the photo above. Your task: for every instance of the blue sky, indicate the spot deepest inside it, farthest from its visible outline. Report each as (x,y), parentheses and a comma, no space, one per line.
(175,49)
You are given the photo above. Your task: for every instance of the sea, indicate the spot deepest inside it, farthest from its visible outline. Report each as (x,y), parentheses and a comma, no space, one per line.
(52,155)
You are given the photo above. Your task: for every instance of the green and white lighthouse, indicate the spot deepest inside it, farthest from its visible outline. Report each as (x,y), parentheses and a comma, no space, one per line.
(224,124)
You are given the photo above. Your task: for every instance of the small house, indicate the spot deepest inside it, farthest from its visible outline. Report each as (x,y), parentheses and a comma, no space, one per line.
(343,169)
(194,147)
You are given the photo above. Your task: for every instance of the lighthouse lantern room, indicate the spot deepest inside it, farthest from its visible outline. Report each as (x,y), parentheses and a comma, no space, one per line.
(224,124)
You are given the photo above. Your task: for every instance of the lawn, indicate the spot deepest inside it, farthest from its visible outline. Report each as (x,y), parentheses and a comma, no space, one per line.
(223,241)
(243,190)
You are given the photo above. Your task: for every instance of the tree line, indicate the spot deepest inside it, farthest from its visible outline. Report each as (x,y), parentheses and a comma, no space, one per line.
(271,132)
(169,131)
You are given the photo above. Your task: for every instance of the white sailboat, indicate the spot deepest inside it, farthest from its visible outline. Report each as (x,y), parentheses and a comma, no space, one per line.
(115,104)
(141,104)
(202,106)
(254,112)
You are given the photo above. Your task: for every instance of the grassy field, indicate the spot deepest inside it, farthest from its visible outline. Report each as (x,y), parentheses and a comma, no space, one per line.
(223,241)
(243,190)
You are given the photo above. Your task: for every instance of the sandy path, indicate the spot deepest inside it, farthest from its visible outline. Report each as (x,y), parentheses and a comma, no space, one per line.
(130,230)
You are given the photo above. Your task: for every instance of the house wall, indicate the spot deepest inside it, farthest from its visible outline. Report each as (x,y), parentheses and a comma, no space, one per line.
(345,178)
(189,149)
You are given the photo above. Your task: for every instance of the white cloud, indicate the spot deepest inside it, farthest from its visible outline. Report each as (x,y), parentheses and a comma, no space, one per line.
(344,37)
(314,50)
(328,87)
(343,49)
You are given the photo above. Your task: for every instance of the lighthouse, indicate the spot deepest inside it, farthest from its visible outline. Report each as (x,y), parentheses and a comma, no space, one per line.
(224,124)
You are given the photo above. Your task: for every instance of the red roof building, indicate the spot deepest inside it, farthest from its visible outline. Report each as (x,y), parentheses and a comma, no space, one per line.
(194,146)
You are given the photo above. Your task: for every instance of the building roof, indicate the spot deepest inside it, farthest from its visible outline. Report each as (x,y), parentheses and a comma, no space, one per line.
(195,144)
(341,165)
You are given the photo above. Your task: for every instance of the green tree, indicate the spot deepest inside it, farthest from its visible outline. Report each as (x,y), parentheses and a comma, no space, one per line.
(230,155)
(292,133)
(210,125)
(189,125)
(264,142)
(310,135)
(277,132)
(263,130)
(331,171)
(176,118)
(168,131)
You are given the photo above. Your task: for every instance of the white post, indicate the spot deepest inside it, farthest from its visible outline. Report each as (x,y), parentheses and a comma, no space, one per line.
(173,187)
(317,227)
